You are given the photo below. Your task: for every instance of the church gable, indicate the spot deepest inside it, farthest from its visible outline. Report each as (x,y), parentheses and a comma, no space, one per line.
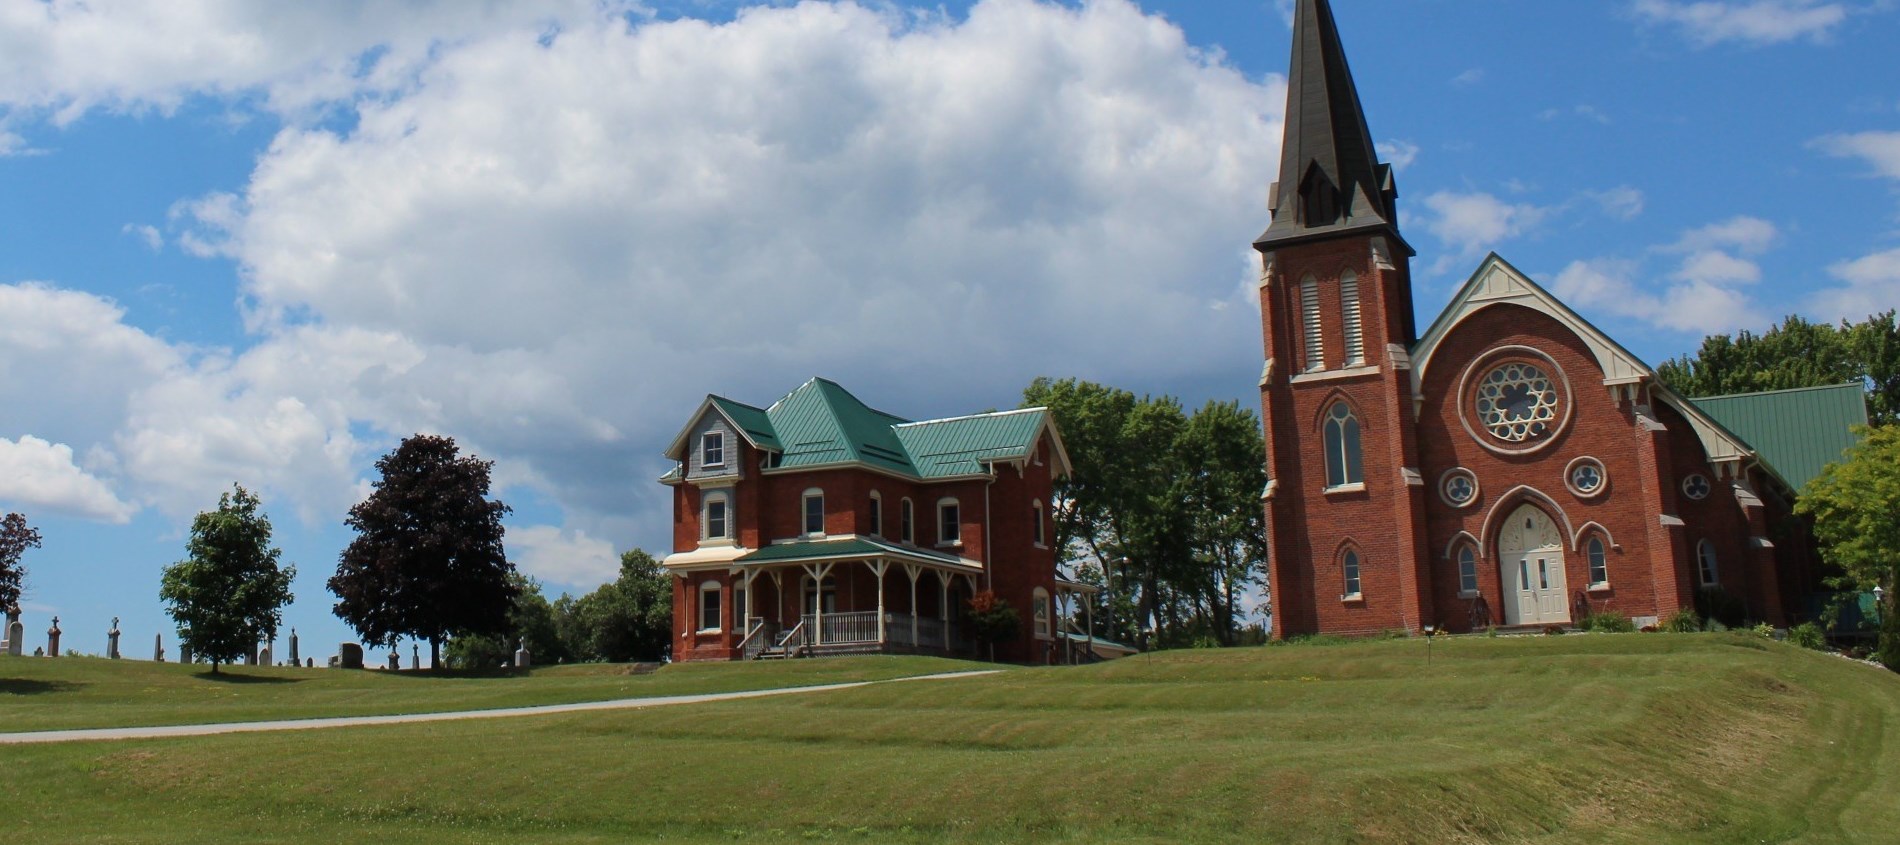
(1496,282)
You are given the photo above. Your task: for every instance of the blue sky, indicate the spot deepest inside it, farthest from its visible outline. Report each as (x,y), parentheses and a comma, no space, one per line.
(259,243)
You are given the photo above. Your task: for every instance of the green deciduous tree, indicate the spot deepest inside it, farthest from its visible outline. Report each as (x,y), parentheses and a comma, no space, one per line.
(1855,505)
(427,561)
(629,618)
(15,538)
(531,622)
(229,593)
(1223,458)
(1798,353)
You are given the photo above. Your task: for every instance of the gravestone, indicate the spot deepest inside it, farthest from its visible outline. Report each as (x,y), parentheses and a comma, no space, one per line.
(16,633)
(293,646)
(395,661)
(52,639)
(309,663)
(349,656)
(158,648)
(522,658)
(184,653)
(112,640)
(415,656)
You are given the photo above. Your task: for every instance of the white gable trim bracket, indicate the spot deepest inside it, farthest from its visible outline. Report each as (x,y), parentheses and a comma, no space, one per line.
(1497,282)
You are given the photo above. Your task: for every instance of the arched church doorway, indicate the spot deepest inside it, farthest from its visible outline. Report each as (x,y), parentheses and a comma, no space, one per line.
(1531,564)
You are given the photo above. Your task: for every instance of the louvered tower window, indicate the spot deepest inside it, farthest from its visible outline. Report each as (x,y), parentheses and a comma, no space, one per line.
(1349,310)
(1309,320)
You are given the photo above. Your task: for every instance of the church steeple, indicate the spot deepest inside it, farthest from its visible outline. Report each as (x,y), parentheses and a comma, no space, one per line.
(1331,180)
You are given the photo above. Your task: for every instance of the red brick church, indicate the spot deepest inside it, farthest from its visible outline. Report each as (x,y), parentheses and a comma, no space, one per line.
(1511,464)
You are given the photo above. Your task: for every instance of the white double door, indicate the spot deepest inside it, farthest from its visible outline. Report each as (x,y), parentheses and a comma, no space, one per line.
(1531,560)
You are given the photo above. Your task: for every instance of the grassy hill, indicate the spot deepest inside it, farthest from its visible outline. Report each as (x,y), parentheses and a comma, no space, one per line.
(1599,738)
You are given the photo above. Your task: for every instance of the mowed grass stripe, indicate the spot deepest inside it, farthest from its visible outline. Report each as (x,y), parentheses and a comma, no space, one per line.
(1632,738)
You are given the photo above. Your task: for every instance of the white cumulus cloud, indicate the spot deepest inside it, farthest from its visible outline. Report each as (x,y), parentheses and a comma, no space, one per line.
(1879,149)
(569,558)
(1755,22)
(1870,285)
(1471,223)
(36,474)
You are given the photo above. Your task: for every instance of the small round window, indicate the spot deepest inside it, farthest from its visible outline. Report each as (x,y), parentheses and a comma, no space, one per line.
(1586,478)
(1696,487)
(1517,402)
(1458,487)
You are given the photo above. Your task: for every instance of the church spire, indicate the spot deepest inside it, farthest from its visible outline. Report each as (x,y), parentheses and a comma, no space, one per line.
(1331,180)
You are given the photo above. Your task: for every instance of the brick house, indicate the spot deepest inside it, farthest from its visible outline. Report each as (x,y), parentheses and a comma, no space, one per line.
(1512,465)
(819,525)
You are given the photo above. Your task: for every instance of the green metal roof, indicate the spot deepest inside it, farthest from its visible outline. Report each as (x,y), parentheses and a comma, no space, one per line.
(852,547)
(960,446)
(821,423)
(1797,432)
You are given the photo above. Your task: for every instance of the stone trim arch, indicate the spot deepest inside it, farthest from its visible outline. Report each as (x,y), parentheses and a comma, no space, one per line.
(1459,539)
(1576,540)
(1522,494)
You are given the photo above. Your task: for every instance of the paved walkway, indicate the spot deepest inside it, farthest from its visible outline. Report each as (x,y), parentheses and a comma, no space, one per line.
(31,737)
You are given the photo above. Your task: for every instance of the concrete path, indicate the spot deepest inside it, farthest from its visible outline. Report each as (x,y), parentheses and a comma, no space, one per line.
(32,737)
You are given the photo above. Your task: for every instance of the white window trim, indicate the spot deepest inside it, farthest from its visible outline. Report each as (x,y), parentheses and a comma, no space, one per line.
(1359,570)
(949,501)
(705,518)
(1040,536)
(1444,481)
(907,521)
(1354,487)
(1458,560)
(703,463)
(1603,478)
(877,514)
(712,587)
(1605,544)
(804,512)
(1044,627)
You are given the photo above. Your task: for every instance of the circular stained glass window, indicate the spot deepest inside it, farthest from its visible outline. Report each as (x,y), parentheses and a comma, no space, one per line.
(1696,487)
(1586,477)
(1517,402)
(1459,487)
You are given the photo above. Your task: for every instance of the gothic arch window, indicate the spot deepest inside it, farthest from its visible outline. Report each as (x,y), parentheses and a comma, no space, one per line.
(1467,571)
(1349,314)
(1344,458)
(1596,553)
(1349,564)
(1706,569)
(1309,324)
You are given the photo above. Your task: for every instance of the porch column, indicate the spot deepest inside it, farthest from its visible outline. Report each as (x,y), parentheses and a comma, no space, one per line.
(878,566)
(778,594)
(818,574)
(913,570)
(745,620)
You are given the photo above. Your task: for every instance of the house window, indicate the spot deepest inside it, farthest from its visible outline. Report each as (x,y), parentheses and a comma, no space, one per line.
(1705,560)
(949,523)
(877,514)
(1351,564)
(1035,513)
(905,521)
(820,595)
(709,607)
(712,449)
(814,512)
(1039,605)
(741,611)
(715,520)
(1468,571)
(1599,566)
(1349,310)
(1309,319)
(1342,448)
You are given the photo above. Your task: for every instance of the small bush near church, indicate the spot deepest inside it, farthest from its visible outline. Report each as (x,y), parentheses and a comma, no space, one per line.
(1719,605)
(1553,630)
(1764,630)
(1807,635)
(1684,621)
(1608,622)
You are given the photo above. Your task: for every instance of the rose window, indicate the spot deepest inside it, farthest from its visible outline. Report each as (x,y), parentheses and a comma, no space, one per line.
(1459,488)
(1696,487)
(1586,477)
(1517,402)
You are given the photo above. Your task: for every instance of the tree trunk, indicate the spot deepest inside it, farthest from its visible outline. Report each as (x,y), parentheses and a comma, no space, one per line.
(214,667)
(435,653)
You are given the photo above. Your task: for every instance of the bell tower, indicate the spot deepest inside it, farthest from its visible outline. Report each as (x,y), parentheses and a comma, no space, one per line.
(1345,503)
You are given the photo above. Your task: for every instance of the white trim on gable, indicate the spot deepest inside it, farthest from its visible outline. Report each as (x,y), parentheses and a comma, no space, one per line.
(676,450)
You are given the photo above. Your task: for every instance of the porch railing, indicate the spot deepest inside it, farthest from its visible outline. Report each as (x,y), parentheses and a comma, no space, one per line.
(833,628)
(758,636)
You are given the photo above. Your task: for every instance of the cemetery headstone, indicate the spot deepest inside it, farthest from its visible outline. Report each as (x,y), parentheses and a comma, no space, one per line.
(112,640)
(16,632)
(349,655)
(293,646)
(158,648)
(263,656)
(309,663)
(415,656)
(395,661)
(52,639)
(522,659)
(184,653)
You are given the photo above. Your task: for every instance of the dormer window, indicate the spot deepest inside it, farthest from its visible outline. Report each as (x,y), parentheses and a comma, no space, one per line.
(815,512)
(712,449)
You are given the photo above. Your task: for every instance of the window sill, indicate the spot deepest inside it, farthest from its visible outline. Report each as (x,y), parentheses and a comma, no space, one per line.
(1351,598)
(1599,588)
(1039,545)
(1355,487)
(715,542)
(704,632)
(1329,375)
(720,465)
(953,544)
(1468,594)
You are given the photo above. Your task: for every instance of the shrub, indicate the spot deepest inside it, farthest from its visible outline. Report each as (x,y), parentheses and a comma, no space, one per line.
(1684,621)
(1491,631)
(1717,604)
(1608,622)
(1553,630)
(1764,630)
(1807,635)
(1887,647)
(1649,629)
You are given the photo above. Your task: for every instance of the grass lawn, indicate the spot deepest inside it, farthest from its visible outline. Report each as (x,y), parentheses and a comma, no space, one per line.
(1635,738)
(91,692)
